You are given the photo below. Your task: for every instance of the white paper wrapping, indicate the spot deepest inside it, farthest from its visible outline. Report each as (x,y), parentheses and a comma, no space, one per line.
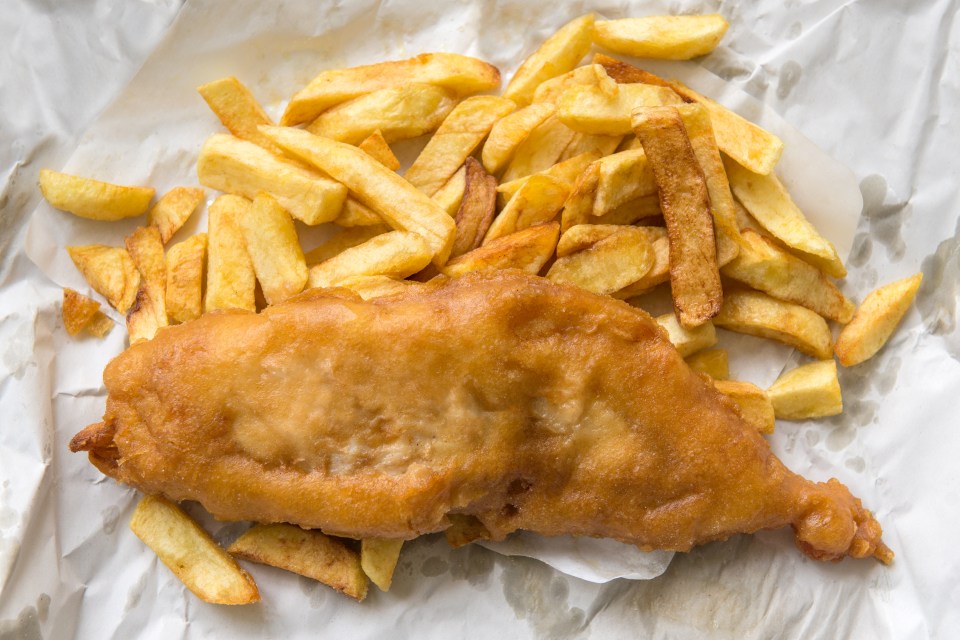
(70,568)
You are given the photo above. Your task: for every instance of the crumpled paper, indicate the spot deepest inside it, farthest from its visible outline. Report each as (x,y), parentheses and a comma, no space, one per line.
(151,134)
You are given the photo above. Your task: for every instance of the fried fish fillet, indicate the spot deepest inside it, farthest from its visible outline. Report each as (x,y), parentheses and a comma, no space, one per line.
(499,396)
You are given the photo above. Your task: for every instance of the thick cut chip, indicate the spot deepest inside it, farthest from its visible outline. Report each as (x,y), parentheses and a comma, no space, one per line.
(568,172)
(511,130)
(110,271)
(578,208)
(357,214)
(304,552)
(461,74)
(539,200)
(663,37)
(875,320)
(660,271)
(757,314)
(713,362)
(399,113)
(769,203)
(274,249)
(344,240)
(398,202)
(191,554)
(397,254)
(173,209)
(608,265)
(378,148)
(587,143)
(684,200)
(79,311)
(810,391)
(764,266)
(539,150)
(378,558)
(752,402)
(527,250)
(589,75)
(242,168)
(477,208)
(231,282)
(149,312)
(557,55)
(645,207)
(624,176)
(450,195)
(583,236)
(696,121)
(368,287)
(753,147)
(233,103)
(592,110)
(460,134)
(93,199)
(688,341)
(185,262)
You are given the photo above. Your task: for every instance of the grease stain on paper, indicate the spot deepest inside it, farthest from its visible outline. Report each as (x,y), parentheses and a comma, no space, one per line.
(26,626)
(433,567)
(540,595)
(790,74)
(317,592)
(473,564)
(940,289)
(111,516)
(885,219)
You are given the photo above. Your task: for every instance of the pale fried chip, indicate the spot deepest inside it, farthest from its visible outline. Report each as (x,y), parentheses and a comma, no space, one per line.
(688,341)
(660,271)
(399,113)
(242,168)
(511,130)
(400,204)
(110,271)
(93,199)
(591,110)
(304,552)
(539,200)
(752,402)
(231,282)
(378,149)
(460,134)
(462,74)
(477,208)
(810,391)
(558,54)
(578,208)
(762,265)
(450,195)
(238,111)
(583,236)
(587,143)
(527,250)
(757,314)
(590,75)
(344,240)
(769,203)
(567,171)
(608,265)
(624,176)
(875,320)
(274,249)
(541,149)
(369,287)
(185,262)
(356,214)
(694,275)
(636,210)
(191,554)
(664,37)
(397,254)
(378,558)
(149,312)
(78,311)
(713,362)
(173,209)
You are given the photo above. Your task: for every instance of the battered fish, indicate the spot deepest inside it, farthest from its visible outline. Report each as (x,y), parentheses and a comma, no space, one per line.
(499,396)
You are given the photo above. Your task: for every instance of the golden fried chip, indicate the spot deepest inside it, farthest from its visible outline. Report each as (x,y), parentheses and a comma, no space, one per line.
(149,312)
(558,54)
(450,195)
(624,176)
(588,143)
(368,287)
(688,341)
(477,208)
(752,402)
(608,265)
(592,75)
(539,200)
(578,207)
(527,250)
(810,391)
(508,132)
(636,210)
(110,271)
(664,37)
(274,249)
(356,214)
(100,325)
(713,362)
(78,311)
(376,145)
(757,314)
(378,558)
(191,554)
(583,236)
(592,110)
(660,271)
(231,282)
(238,111)
(93,199)
(397,254)
(304,552)
(875,320)
(541,149)
(185,262)
(173,209)
(566,171)
(343,240)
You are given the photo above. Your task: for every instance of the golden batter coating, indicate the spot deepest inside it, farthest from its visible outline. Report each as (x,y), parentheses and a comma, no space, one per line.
(499,396)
